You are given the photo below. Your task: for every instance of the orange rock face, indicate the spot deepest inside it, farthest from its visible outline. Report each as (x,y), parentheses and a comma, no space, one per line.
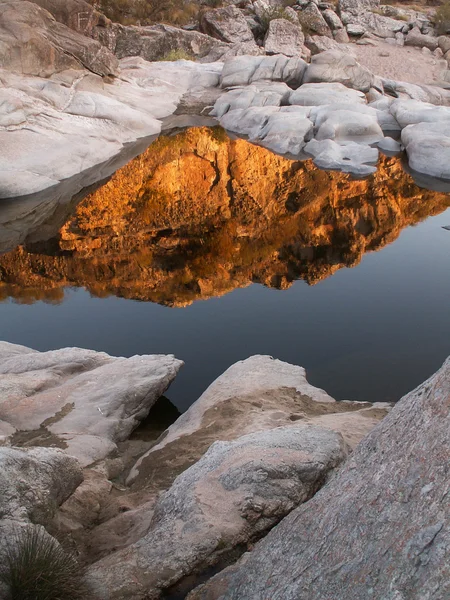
(198,215)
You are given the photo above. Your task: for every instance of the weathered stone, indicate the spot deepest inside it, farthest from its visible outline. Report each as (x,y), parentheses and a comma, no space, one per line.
(424,93)
(349,126)
(312,21)
(80,400)
(157,41)
(357,7)
(233,494)
(418,39)
(332,19)
(318,94)
(338,67)
(444,43)
(341,36)
(355,29)
(360,524)
(350,157)
(264,93)
(284,37)
(227,24)
(285,133)
(34,482)
(242,70)
(33,43)
(77,15)
(384,118)
(322,43)
(428,148)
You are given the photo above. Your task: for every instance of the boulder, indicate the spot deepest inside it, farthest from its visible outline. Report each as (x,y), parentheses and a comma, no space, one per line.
(333,21)
(425,93)
(243,70)
(259,94)
(32,42)
(349,126)
(444,43)
(80,400)
(384,118)
(157,41)
(285,133)
(34,482)
(77,15)
(232,495)
(415,38)
(312,21)
(284,37)
(335,66)
(349,157)
(341,36)
(411,112)
(357,7)
(270,393)
(318,94)
(356,538)
(321,43)
(356,29)
(227,24)
(427,146)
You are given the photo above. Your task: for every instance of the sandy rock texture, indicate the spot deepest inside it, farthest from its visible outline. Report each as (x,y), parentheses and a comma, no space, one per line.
(79,400)
(357,536)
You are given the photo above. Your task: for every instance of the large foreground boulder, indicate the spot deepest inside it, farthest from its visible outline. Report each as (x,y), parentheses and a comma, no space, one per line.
(231,496)
(380,528)
(79,400)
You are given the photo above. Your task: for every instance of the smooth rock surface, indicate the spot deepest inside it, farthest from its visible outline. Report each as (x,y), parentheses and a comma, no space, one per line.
(79,400)
(335,66)
(349,157)
(317,94)
(357,535)
(428,148)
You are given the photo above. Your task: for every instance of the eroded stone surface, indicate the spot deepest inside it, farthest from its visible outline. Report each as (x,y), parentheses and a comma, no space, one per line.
(79,400)
(357,535)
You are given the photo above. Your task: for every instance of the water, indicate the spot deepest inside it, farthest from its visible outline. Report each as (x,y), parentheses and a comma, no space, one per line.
(375,323)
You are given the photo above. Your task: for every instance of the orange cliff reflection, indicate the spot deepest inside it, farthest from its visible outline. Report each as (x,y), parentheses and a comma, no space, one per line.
(198,215)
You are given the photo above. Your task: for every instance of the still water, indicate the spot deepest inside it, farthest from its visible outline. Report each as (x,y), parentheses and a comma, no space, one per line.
(214,250)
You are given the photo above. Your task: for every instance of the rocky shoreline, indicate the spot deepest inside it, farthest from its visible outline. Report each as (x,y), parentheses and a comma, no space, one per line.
(253,451)
(60,116)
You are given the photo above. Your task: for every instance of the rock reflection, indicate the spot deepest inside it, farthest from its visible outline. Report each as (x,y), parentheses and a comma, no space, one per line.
(197,215)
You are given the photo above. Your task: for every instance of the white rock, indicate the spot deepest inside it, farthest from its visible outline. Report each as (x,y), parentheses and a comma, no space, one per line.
(409,112)
(350,126)
(353,158)
(85,401)
(285,133)
(428,148)
(317,94)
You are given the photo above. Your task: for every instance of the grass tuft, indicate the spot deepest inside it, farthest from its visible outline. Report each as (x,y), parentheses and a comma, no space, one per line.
(35,567)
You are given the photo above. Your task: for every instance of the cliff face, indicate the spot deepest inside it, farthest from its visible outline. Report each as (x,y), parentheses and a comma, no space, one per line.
(198,215)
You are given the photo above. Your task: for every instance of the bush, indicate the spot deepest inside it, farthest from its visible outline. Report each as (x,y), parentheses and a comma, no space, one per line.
(442,19)
(179,54)
(37,568)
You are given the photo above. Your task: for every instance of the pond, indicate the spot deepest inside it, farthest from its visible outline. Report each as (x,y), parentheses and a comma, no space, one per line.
(216,249)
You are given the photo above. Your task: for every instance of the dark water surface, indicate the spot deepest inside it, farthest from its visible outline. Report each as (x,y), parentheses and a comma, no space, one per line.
(215,250)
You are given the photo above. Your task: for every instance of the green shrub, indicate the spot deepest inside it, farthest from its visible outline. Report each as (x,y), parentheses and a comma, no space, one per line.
(179,54)
(442,19)
(35,567)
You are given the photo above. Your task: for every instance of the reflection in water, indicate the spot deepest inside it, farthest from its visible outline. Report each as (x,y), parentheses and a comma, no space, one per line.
(198,215)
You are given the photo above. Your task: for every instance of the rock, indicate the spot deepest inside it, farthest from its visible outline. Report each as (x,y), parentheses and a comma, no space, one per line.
(312,21)
(243,70)
(265,93)
(444,43)
(227,24)
(384,118)
(318,94)
(80,400)
(424,93)
(34,482)
(157,41)
(355,29)
(362,519)
(357,7)
(349,126)
(284,37)
(33,43)
(320,43)
(399,38)
(270,393)
(341,36)
(389,146)
(333,21)
(426,51)
(438,54)
(233,494)
(415,38)
(428,148)
(113,114)
(338,67)
(348,157)
(285,133)
(77,15)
